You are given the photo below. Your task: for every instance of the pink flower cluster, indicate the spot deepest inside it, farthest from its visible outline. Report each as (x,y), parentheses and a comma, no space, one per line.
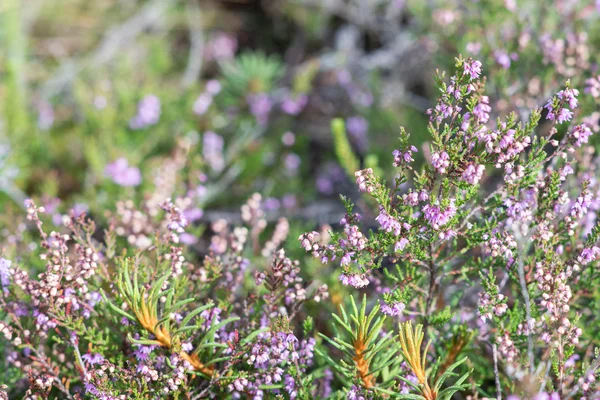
(438,216)
(404,157)
(440,161)
(567,102)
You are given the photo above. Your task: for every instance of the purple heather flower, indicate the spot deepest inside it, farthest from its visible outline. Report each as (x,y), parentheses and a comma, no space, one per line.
(388,223)
(482,110)
(93,359)
(202,103)
(260,106)
(193,214)
(292,162)
(188,239)
(564,115)
(404,157)
(289,385)
(546,396)
(293,105)
(5,273)
(440,161)
(588,255)
(271,204)
(289,201)
(346,258)
(393,309)
(288,139)
(94,298)
(213,87)
(566,97)
(472,68)
(473,173)
(148,113)
(592,86)
(473,47)
(79,209)
(581,133)
(212,150)
(355,393)
(438,217)
(504,59)
(324,386)
(401,244)
(143,351)
(122,174)
(356,280)
(222,46)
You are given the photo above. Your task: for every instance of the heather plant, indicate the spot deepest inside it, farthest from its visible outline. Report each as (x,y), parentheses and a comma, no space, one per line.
(461,265)
(106,321)
(504,209)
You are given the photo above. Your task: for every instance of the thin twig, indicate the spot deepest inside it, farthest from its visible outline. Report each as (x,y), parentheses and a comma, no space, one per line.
(194,65)
(496,373)
(525,292)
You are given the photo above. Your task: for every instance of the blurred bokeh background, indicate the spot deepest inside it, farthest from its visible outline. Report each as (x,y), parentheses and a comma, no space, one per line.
(118,99)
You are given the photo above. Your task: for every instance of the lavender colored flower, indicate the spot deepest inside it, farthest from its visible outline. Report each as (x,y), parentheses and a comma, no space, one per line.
(148,113)
(473,173)
(260,106)
(202,103)
(440,161)
(292,162)
(193,214)
(188,239)
(592,86)
(93,359)
(404,157)
(346,258)
(580,134)
(221,47)
(546,396)
(289,201)
(393,309)
(355,393)
(504,59)
(212,150)
(388,223)
(588,255)
(289,384)
(472,68)
(213,87)
(438,217)
(355,280)
(143,352)
(288,139)
(293,105)
(568,99)
(122,174)
(482,110)
(400,244)
(5,273)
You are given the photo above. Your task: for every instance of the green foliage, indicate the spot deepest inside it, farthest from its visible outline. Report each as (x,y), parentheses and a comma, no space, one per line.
(368,358)
(157,319)
(343,149)
(249,73)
